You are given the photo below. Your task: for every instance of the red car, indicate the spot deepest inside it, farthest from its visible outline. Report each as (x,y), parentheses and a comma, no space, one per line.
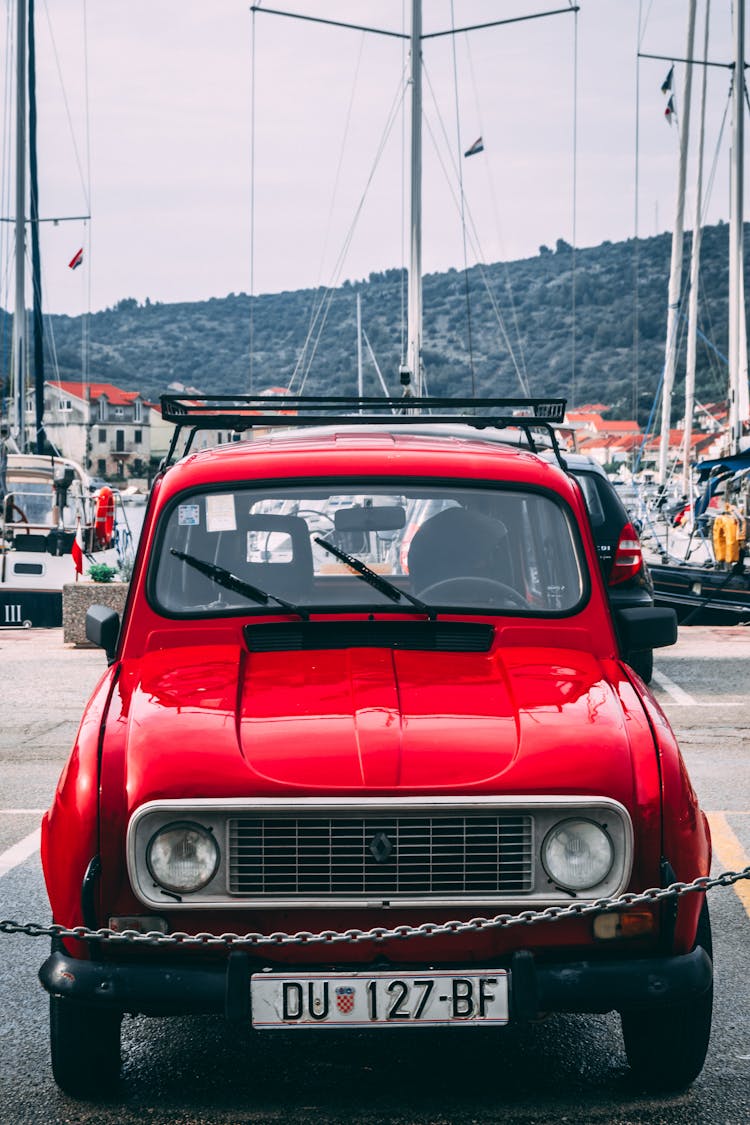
(328,714)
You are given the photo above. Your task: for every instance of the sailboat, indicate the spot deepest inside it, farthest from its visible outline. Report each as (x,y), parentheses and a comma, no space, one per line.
(51,518)
(709,583)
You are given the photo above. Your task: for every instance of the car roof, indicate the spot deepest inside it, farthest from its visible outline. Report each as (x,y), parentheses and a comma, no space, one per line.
(513,437)
(372,451)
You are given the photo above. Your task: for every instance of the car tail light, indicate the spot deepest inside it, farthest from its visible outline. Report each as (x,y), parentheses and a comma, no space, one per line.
(628,558)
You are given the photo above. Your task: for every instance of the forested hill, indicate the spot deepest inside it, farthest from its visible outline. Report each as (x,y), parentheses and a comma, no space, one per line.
(205,344)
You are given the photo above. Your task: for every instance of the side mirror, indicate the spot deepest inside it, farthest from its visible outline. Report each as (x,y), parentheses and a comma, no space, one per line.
(645,627)
(103,628)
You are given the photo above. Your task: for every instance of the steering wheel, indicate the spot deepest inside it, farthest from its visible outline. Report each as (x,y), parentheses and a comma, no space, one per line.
(467,586)
(22,517)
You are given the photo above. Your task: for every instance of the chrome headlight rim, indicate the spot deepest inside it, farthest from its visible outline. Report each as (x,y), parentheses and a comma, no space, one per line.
(568,884)
(191,826)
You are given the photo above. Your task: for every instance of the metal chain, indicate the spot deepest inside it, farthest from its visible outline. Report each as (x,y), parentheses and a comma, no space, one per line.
(382,933)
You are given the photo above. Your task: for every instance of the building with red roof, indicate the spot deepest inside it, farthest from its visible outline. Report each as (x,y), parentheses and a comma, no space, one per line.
(102,426)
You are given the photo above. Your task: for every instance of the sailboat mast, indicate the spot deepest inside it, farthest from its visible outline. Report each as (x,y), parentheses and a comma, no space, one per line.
(19,313)
(414,313)
(37,349)
(737,339)
(360,372)
(675,270)
(695,257)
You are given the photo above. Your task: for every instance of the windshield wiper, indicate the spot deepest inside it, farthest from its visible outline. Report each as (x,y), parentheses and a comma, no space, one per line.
(377,581)
(231,582)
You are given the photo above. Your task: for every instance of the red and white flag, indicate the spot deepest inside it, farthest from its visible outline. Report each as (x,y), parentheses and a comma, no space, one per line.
(76,260)
(77,550)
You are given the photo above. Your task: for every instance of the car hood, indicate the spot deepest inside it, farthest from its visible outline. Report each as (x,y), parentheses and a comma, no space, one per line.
(372,720)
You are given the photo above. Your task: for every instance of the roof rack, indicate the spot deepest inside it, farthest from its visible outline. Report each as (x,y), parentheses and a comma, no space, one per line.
(245,412)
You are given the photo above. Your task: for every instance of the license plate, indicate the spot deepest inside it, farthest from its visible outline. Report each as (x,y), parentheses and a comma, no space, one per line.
(379,999)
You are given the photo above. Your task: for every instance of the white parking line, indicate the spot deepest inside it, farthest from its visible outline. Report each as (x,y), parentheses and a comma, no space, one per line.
(20,852)
(673,689)
(679,695)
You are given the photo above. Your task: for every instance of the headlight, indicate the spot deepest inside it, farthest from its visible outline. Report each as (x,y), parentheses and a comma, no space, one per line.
(577,854)
(182,857)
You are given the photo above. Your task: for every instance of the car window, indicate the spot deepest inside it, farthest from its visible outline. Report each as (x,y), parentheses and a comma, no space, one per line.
(483,548)
(591,497)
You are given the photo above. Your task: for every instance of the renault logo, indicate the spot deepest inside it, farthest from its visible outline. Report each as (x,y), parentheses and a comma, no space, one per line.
(381,848)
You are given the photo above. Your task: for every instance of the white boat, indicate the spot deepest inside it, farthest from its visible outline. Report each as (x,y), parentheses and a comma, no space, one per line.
(47,504)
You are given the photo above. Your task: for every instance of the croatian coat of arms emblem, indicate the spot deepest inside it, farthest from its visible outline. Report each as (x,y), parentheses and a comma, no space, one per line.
(345,998)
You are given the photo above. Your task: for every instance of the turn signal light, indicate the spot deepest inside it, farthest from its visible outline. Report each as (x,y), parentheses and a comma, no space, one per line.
(141,923)
(628,556)
(635,923)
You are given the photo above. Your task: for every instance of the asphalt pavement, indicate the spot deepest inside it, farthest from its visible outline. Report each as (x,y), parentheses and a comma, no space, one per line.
(199,1071)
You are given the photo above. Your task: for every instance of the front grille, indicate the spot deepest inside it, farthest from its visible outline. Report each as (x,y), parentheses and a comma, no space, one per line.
(336,856)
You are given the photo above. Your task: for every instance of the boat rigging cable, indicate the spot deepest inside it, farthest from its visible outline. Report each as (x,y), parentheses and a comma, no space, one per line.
(680,320)
(251,320)
(321,309)
(462,197)
(40,439)
(322,303)
(692,337)
(474,240)
(318,320)
(574,216)
(504,265)
(636,453)
(5,207)
(84,172)
(44,343)
(675,270)
(321,306)
(404,325)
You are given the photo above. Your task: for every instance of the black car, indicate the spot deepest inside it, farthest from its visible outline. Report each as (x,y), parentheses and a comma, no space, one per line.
(629,582)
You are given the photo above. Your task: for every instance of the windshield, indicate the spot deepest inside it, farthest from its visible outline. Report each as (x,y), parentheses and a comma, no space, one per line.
(358,546)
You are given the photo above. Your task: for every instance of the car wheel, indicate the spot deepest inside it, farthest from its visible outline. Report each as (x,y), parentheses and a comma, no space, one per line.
(666,1048)
(85,1047)
(642,663)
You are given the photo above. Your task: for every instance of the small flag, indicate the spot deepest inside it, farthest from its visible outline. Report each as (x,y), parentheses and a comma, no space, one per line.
(76,550)
(76,260)
(670,111)
(478,146)
(666,85)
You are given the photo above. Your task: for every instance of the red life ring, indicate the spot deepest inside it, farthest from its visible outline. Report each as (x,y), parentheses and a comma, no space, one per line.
(104,518)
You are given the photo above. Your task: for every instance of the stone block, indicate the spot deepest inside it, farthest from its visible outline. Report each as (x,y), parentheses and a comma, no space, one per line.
(78,597)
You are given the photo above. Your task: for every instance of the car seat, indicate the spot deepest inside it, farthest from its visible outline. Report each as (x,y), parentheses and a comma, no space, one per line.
(457,543)
(290,573)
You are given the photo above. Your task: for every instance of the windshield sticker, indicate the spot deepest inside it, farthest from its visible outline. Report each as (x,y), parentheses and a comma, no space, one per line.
(220,513)
(188,515)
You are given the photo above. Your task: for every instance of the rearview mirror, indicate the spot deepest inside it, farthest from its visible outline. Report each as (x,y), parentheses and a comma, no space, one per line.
(381,517)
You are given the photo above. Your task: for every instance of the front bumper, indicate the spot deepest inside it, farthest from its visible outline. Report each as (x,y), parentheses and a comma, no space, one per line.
(535,988)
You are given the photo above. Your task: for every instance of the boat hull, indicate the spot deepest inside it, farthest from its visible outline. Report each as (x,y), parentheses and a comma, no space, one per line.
(30,609)
(701,596)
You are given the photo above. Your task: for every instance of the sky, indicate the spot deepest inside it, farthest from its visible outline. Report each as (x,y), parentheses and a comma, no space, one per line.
(219,151)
